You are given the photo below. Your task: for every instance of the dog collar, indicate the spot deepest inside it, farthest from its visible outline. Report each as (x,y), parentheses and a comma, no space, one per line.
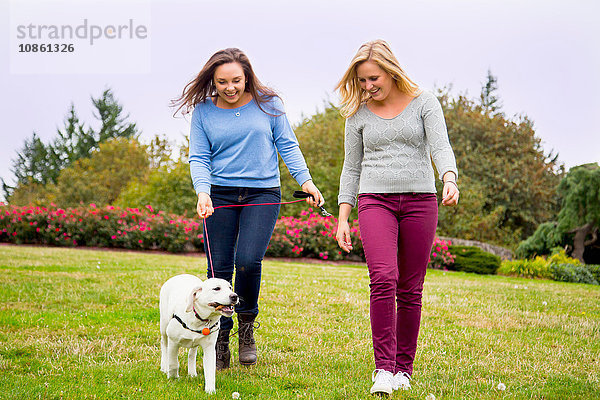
(205,331)
(197,316)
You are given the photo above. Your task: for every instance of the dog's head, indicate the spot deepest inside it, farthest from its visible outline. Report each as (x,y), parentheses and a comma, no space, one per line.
(214,295)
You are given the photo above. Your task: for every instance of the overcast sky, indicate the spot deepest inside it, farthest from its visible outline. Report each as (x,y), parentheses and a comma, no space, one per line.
(545,54)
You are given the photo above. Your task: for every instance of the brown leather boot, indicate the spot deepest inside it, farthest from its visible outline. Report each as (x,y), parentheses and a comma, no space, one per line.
(247,353)
(222,347)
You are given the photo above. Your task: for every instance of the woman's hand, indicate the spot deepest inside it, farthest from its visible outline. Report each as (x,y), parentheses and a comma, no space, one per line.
(343,236)
(204,208)
(450,194)
(309,187)
(343,229)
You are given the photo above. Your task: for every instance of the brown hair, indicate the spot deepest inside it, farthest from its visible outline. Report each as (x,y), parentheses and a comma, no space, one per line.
(203,85)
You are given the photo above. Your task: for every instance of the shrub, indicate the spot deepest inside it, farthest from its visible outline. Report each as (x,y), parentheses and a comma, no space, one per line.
(560,257)
(311,235)
(536,268)
(109,226)
(572,273)
(473,259)
(594,270)
(558,267)
(440,256)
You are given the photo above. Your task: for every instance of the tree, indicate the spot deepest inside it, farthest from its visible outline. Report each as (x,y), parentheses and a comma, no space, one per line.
(578,221)
(504,161)
(165,189)
(31,164)
(159,153)
(101,177)
(73,142)
(580,212)
(488,99)
(167,186)
(114,124)
(39,164)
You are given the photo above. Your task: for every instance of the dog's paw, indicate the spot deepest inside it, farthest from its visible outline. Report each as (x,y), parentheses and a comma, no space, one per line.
(173,374)
(210,390)
(193,374)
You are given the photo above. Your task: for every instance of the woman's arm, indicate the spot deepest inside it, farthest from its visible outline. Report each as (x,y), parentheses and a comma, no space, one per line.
(200,154)
(436,135)
(199,159)
(353,156)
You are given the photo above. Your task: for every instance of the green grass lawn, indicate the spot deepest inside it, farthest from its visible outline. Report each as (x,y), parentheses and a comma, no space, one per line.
(83,324)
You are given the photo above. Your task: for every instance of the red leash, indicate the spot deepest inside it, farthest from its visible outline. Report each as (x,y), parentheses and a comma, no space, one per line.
(235,205)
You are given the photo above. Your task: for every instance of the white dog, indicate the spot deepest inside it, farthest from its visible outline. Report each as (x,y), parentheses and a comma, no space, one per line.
(190,310)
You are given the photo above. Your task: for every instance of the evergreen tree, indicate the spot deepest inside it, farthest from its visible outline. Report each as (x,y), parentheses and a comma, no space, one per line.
(30,167)
(41,164)
(73,142)
(489,101)
(577,223)
(114,124)
(31,164)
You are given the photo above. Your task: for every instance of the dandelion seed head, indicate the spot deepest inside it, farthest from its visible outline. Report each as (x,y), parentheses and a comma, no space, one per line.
(544,303)
(235,395)
(430,396)
(501,386)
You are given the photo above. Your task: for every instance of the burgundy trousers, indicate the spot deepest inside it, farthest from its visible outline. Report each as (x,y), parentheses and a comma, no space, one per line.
(397,232)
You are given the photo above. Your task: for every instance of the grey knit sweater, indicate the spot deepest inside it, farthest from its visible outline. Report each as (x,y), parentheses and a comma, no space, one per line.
(394,155)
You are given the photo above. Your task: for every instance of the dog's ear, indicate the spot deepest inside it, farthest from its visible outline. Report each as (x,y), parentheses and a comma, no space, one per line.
(192,297)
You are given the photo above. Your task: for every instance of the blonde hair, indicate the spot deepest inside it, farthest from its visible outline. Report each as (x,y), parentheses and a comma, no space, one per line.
(351,94)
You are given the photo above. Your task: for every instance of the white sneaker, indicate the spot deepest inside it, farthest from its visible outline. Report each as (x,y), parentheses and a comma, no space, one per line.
(401,381)
(383,382)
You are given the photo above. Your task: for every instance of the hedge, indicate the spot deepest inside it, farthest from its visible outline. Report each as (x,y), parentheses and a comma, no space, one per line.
(572,273)
(309,235)
(473,259)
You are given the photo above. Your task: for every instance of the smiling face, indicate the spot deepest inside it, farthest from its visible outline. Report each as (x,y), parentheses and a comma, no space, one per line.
(217,295)
(375,81)
(230,82)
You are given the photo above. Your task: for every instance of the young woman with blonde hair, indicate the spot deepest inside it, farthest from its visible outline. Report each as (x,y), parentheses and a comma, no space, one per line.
(238,127)
(393,131)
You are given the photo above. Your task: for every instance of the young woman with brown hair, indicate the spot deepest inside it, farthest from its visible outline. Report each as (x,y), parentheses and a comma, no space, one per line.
(238,126)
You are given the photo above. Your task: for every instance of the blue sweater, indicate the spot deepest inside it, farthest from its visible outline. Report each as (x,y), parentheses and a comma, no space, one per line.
(238,147)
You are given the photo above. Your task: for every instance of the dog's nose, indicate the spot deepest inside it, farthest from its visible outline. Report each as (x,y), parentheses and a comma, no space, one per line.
(233,297)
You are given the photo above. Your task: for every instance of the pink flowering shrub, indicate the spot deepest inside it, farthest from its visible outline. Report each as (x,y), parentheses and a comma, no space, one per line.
(109,226)
(440,256)
(311,235)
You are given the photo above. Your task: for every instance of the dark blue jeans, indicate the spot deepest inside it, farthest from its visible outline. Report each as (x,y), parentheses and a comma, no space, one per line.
(238,239)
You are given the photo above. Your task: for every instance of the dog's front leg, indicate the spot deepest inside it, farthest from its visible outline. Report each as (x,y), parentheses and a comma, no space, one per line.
(209,360)
(192,361)
(173,349)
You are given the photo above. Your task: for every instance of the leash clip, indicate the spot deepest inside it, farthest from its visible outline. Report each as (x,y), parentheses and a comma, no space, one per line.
(303,195)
